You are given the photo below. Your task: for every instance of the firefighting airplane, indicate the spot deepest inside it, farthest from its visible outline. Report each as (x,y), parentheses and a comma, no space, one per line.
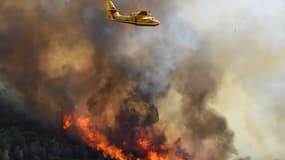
(141,18)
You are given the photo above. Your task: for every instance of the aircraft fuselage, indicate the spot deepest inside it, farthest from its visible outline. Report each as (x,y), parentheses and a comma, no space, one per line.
(141,18)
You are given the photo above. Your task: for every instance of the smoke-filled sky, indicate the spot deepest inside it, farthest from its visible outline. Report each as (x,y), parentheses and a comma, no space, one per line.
(246,39)
(213,69)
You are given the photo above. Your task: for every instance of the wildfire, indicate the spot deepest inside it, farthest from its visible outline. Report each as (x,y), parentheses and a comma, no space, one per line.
(156,156)
(98,141)
(144,143)
(95,139)
(67,121)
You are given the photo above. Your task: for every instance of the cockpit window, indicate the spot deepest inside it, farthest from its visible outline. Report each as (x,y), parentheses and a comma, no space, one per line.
(143,13)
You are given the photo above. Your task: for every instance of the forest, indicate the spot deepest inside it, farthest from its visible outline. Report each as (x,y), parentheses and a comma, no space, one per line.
(24,139)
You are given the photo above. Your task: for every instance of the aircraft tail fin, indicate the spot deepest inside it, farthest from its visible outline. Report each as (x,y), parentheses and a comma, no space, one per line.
(111,10)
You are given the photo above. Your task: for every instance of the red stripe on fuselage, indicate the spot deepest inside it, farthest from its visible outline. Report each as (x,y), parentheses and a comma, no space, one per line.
(148,24)
(114,8)
(113,11)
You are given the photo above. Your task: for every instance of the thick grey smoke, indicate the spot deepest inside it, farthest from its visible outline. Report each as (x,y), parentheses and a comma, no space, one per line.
(204,56)
(246,39)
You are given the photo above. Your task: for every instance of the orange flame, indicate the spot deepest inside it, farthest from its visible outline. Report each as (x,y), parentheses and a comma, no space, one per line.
(67,121)
(96,140)
(91,135)
(156,156)
(144,143)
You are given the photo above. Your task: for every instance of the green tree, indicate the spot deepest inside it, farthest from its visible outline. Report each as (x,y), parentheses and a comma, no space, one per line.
(35,147)
(19,154)
(43,154)
(5,155)
(36,158)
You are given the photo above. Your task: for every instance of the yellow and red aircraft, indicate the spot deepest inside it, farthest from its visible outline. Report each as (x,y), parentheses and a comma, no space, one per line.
(141,18)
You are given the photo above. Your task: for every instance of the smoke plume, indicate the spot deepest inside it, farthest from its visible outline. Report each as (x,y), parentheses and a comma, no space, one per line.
(245,39)
(145,93)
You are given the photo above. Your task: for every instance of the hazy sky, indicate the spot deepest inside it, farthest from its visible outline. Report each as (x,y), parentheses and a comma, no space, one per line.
(247,39)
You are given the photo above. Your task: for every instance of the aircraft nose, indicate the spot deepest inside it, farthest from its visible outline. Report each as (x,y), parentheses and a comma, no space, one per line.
(156,22)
